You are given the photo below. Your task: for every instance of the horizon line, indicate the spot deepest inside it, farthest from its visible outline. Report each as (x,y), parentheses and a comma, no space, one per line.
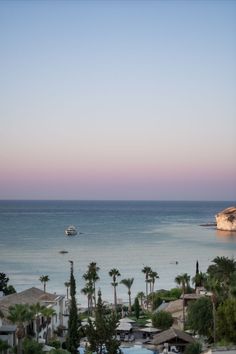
(115,200)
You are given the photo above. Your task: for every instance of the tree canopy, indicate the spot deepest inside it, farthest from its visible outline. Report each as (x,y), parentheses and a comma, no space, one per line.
(162,320)
(73,323)
(101,333)
(200,316)
(226,321)
(4,287)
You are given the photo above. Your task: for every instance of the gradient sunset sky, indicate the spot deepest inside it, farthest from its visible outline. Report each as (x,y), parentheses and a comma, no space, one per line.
(118,100)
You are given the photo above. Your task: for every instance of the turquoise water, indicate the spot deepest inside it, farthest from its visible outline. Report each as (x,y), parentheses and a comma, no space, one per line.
(125,235)
(136,349)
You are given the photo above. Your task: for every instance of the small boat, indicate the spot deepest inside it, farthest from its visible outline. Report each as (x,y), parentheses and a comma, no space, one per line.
(63,252)
(71,231)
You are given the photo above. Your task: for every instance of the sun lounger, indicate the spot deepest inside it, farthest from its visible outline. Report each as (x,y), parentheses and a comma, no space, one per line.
(126,338)
(131,338)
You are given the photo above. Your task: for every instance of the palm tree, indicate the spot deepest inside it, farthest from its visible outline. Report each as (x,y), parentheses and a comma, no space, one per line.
(48,312)
(146,270)
(141,296)
(128,283)
(199,279)
(223,271)
(44,279)
(183,280)
(114,273)
(20,314)
(91,276)
(67,285)
(153,276)
(36,310)
(4,346)
(88,291)
(93,270)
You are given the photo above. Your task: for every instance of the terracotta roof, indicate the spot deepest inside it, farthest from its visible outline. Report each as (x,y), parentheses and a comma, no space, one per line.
(29,296)
(169,334)
(162,306)
(193,296)
(47,297)
(174,306)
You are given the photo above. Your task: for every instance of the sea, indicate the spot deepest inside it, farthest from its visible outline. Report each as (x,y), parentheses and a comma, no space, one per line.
(168,236)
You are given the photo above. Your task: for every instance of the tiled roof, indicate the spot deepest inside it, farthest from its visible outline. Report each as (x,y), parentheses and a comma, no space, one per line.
(29,296)
(170,334)
(174,306)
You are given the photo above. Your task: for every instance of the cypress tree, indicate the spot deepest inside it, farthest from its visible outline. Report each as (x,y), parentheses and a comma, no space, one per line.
(197,268)
(136,308)
(197,276)
(73,323)
(101,333)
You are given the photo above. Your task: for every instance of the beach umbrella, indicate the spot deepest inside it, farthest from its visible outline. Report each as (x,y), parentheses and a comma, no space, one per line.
(126,320)
(124,327)
(148,325)
(92,319)
(84,323)
(150,330)
(47,348)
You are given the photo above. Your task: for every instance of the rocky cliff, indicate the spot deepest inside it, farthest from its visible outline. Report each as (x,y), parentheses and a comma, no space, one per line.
(226,219)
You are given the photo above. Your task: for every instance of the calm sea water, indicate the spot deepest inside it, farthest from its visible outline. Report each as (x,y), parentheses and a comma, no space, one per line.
(125,235)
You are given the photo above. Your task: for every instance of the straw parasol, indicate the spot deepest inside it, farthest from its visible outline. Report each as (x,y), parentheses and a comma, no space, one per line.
(150,330)
(124,327)
(126,320)
(47,348)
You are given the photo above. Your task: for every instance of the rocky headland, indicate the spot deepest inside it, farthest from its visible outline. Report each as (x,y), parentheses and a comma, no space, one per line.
(226,219)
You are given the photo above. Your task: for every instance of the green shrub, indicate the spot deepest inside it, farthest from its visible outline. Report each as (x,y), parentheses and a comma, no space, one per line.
(54,343)
(30,346)
(193,348)
(59,351)
(136,308)
(162,320)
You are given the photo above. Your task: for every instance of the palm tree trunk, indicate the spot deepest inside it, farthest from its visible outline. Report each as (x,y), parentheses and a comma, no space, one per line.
(19,346)
(183,313)
(20,333)
(46,339)
(44,287)
(88,305)
(214,321)
(95,303)
(37,328)
(115,298)
(146,293)
(130,309)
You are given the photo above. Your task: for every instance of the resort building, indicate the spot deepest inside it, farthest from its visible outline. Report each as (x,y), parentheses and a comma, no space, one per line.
(172,338)
(32,296)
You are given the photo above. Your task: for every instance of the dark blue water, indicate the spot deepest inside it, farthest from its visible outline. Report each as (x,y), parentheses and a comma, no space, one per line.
(125,235)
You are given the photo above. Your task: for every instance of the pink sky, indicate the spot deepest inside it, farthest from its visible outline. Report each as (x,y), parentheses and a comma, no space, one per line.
(113,101)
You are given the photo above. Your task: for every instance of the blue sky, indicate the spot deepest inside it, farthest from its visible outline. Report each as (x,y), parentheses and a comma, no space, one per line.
(118,99)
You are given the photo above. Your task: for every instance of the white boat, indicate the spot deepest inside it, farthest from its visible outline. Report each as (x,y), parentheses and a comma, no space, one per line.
(71,231)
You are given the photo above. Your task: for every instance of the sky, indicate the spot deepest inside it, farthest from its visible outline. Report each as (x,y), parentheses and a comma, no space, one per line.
(117,100)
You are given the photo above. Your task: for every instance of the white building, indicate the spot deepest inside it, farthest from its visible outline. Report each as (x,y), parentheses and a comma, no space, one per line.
(33,296)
